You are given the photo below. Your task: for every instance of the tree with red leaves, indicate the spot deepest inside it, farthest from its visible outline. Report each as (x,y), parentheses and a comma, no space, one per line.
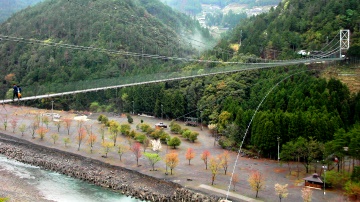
(205,156)
(136,149)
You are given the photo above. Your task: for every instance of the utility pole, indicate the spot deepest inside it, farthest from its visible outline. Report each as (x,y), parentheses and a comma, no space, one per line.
(52,109)
(324,167)
(278,139)
(162,111)
(133,107)
(201,120)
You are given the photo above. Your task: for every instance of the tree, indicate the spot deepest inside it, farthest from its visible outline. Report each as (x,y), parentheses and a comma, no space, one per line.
(34,126)
(67,122)
(225,158)
(91,141)
(107,146)
(13,123)
(102,132)
(41,131)
(306,194)
(174,142)
(235,179)
(153,159)
(175,128)
(256,181)
(22,128)
(190,154)
(46,121)
(281,190)
(136,149)
(5,122)
(205,156)
(121,149)
(125,129)
(156,145)
(66,141)
(214,167)
(55,137)
(114,128)
(193,136)
(58,125)
(172,160)
(81,136)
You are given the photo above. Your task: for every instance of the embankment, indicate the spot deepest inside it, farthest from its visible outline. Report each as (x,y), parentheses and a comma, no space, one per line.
(125,181)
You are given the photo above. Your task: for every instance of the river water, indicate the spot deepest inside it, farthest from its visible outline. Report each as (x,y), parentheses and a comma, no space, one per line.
(58,187)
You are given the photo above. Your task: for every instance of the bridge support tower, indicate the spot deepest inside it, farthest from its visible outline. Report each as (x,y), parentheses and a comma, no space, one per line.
(344,40)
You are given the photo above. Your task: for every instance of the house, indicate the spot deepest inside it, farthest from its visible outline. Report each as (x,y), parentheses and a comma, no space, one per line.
(314,181)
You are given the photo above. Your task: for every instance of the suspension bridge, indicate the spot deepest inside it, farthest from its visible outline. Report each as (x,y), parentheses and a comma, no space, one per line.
(331,52)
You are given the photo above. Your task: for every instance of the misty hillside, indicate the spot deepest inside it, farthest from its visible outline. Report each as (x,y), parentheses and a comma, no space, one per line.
(140,26)
(9,7)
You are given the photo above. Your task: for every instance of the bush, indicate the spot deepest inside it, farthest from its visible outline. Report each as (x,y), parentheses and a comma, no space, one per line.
(95,107)
(103,119)
(175,128)
(140,138)
(193,136)
(186,133)
(130,119)
(336,179)
(125,129)
(132,134)
(174,142)
(224,142)
(144,127)
(157,133)
(164,136)
(352,189)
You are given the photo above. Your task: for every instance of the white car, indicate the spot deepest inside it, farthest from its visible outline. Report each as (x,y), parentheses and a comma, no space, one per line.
(54,115)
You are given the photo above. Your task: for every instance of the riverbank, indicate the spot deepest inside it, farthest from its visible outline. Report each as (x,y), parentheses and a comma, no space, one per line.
(127,182)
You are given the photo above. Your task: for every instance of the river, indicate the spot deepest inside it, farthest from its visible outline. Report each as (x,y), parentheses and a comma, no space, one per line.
(58,187)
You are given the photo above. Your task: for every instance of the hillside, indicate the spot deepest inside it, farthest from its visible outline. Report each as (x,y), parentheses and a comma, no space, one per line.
(140,26)
(296,25)
(9,7)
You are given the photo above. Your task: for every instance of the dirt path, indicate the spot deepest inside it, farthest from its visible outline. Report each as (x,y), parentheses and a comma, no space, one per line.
(190,176)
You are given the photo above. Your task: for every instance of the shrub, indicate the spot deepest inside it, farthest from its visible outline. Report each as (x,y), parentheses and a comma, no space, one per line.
(144,127)
(103,119)
(174,142)
(95,107)
(130,119)
(352,189)
(140,137)
(193,136)
(175,128)
(224,142)
(132,134)
(125,129)
(164,137)
(186,133)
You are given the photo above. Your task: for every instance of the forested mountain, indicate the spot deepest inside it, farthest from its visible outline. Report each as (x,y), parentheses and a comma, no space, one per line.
(296,25)
(8,7)
(193,7)
(140,26)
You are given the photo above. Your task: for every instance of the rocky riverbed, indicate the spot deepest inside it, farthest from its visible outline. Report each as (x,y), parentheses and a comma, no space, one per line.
(125,181)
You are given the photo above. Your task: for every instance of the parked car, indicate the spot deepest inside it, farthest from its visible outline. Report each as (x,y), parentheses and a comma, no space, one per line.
(160,125)
(54,115)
